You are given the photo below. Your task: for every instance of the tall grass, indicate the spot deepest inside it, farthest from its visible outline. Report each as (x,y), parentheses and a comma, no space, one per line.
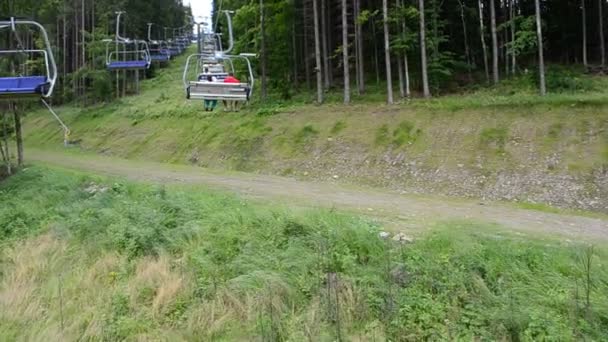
(95,258)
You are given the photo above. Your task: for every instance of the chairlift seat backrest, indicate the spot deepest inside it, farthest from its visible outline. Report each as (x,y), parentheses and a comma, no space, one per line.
(214,68)
(174,50)
(160,57)
(128,65)
(220,76)
(218,91)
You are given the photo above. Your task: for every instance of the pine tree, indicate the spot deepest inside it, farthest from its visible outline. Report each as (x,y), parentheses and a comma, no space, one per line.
(495,75)
(318,69)
(541,58)
(387,54)
(423,60)
(345,62)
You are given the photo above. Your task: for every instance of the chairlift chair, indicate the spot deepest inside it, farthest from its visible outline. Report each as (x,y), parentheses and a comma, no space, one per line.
(160,54)
(159,51)
(41,86)
(135,54)
(137,58)
(200,89)
(173,48)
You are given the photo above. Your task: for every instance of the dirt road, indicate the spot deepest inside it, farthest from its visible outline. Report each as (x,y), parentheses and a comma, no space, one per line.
(400,211)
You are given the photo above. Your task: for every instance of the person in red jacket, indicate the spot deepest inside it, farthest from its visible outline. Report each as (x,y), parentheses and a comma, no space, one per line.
(231,79)
(231,105)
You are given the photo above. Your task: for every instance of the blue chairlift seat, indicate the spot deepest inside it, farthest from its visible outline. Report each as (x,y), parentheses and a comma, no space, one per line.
(128,65)
(23,86)
(174,50)
(160,57)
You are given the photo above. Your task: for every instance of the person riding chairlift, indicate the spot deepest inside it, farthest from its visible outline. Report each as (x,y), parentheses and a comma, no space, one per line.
(231,105)
(210,104)
(209,78)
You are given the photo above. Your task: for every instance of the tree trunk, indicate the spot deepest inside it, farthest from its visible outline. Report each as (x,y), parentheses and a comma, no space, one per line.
(18,134)
(64,51)
(387,53)
(399,65)
(601,30)
(466,40)
(405,62)
(4,157)
(494,43)
(541,58)
(376,63)
(400,74)
(359,39)
(318,70)
(83,56)
(483,41)
(425,78)
(7,153)
(513,57)
(306,52)
(330,46)
(324,42)
(75,50)
(584,17)
(263,87)
(505,38)
(345,62)
(356,44)
(406,69)
(294,44)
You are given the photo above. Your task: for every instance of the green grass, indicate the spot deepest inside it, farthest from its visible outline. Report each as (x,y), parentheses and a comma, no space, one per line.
(307,132)
(116,260)
(489,131)
(494,138)
(539,207)
(338,127)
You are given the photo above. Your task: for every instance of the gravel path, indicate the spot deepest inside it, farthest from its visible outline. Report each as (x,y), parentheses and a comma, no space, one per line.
(400,211)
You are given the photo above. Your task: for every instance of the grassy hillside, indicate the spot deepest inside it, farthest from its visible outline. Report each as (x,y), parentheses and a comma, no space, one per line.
(87,257)
(501,143)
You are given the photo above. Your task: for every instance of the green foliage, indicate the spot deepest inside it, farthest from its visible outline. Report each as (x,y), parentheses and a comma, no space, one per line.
(99,83)
(382,135)
(244,140)
(441,63)
(269,110)
(404,134)
(366,15)
(563,79)
(525,36)
(305,134)
(555,130)
(461,281)
(338,127)
(494,137)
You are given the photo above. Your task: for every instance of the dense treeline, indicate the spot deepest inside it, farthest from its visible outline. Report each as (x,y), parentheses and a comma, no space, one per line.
(76,29)
(465,41)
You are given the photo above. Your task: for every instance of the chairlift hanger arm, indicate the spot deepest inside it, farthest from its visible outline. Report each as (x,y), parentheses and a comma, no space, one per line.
(118,36)
(230,35)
